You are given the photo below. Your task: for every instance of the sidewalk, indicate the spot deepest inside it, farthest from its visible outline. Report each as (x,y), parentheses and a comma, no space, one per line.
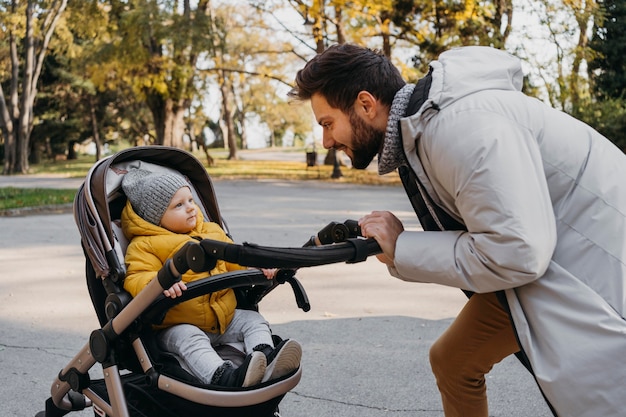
(365,340)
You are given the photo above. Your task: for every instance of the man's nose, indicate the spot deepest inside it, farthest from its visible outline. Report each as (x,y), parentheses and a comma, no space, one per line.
(327,141)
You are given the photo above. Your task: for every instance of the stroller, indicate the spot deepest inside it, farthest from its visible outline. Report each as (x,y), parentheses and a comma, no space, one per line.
(139,379)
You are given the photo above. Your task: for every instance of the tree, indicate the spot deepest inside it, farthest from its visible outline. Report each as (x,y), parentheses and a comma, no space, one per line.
(28,30)
(607,71)
(252,64)
(219,35)
(440,25)
(326,19)
(68,109)
(557,50)
(154,47)
(61,118)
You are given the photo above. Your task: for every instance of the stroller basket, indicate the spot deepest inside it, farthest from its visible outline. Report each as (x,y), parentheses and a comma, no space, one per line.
(139,379)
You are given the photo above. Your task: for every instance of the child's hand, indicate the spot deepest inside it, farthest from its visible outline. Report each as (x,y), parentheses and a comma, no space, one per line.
(269,273)
(175,290)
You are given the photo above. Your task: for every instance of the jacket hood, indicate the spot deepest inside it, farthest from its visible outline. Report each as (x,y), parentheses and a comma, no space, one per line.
(463,71)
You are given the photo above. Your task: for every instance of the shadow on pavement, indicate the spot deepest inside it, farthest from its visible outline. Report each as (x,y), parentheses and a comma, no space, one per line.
(358,367)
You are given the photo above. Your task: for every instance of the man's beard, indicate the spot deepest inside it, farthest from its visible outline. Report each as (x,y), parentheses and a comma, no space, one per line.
(366,141)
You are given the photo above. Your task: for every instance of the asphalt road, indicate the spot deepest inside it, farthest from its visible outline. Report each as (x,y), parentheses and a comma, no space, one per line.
(365,340)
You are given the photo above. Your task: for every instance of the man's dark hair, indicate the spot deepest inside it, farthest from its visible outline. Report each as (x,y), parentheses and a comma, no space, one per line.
(342,71)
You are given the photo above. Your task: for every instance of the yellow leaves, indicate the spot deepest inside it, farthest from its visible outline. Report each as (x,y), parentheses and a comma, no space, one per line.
(158,85)
(14,23)
(374,8)
(102,76)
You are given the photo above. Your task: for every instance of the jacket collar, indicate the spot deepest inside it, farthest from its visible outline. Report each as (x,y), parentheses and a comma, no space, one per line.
(407,101)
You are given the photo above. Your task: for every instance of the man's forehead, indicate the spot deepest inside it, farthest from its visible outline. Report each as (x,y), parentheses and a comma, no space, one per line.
(321,108)
(319,100)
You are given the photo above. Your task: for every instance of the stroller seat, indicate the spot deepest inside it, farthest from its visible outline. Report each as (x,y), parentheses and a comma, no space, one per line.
(139,378)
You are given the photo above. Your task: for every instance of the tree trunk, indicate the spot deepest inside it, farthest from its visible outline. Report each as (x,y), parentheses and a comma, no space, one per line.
(157,108)
(227,117)
(202,145)
(503,8)
(48,146)
(341,38)
(71,150)
(241,121)
(6,124)
(178,126)
(385,33)
(10,114)
(168,123)
(94,129)
(318,35)
(169,120)
(583,17)
(17,118)
(27,86)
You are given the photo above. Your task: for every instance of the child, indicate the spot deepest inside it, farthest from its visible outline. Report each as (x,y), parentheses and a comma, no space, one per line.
(158,219)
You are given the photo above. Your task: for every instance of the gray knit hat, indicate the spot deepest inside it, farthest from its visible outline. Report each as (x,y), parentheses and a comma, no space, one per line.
(150,192)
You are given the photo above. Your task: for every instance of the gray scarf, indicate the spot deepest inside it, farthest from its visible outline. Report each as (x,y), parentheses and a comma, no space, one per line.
(392,155)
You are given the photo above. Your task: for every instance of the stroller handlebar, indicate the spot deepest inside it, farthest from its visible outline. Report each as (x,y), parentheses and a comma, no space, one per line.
(233,279)
(335,232)
(337,242)
(248,254)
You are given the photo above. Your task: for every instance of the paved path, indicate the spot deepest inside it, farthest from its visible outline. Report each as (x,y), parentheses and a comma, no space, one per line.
(365,339)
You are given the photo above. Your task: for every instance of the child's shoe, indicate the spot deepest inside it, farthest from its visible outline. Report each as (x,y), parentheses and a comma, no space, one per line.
(281,360)
(251,372)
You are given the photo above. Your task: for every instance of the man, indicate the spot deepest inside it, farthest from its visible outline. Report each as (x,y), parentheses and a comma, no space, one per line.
(524,209)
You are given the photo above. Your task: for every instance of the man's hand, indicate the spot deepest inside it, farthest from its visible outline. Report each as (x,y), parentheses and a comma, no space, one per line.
(175,290)
(385,228)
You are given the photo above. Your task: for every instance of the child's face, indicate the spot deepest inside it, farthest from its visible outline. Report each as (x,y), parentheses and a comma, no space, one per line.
(180,216)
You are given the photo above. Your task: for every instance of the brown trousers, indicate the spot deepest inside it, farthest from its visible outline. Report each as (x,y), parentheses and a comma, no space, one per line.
(481,336)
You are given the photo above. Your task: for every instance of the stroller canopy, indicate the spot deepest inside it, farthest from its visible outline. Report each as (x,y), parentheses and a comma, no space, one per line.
(100,197)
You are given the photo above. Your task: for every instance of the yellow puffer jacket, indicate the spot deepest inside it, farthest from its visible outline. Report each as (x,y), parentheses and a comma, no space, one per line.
(150,246)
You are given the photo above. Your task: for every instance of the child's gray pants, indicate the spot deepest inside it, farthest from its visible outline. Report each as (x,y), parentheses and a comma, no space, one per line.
(194,347)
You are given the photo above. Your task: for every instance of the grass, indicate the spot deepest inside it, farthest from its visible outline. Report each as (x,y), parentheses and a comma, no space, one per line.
(75,168)
(17,198)
(289,170)
(14,198)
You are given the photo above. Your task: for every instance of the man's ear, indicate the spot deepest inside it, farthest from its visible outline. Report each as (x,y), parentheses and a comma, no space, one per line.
(366,105)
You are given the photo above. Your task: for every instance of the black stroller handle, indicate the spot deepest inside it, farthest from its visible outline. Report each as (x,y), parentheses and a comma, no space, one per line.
(336,242)
(335,232)
(249,254)
(234,279)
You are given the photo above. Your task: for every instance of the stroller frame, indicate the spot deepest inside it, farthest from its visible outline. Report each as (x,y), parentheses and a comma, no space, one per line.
(123,318)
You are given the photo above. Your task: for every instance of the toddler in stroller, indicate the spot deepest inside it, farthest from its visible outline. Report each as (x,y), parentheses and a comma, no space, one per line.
(158,219)
(139,378)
